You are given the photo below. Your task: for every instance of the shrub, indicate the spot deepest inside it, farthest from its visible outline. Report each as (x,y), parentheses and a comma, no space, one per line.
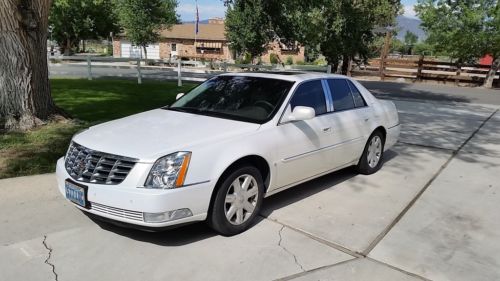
(300,62)
(289,60)
(273,58)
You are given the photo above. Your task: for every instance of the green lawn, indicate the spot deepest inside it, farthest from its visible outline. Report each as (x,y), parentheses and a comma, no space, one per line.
(89,102)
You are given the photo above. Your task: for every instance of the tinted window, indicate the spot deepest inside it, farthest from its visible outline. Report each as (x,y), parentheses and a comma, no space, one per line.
(252,99)
(310,94)
(358,98)
(341,94)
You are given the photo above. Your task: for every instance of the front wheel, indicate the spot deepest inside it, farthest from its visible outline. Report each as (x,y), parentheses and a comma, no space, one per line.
(372,157)
(237,201)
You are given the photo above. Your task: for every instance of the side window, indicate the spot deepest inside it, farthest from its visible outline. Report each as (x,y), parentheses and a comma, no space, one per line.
(341,94)
(358,98)
(310,94)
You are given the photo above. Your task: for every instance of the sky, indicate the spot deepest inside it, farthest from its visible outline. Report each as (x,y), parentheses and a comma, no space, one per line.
(215,8)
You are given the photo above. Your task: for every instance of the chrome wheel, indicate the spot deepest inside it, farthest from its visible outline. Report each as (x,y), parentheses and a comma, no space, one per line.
(241,199)
(374,151)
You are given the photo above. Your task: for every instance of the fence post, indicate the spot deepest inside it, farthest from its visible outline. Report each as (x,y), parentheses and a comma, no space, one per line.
(89,68)
(179,78)
(420,67)
(459,71)
(139,73)
(224,66)
(329,69)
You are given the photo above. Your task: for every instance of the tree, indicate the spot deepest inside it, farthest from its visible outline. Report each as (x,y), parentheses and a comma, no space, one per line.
(466,30)
(75,20)
(410,41)
(247,28)
(142,20)
(25,99)
(341,28)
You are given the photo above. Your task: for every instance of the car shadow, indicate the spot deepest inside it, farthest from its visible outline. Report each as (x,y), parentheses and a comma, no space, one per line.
(199,231)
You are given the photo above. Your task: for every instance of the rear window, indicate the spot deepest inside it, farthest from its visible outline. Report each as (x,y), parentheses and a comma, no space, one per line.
(358,98)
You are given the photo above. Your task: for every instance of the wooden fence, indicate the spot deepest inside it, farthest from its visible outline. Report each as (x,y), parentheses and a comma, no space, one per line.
(424,69)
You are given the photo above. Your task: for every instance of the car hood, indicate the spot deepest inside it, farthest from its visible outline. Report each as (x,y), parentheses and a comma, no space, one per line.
(152,134)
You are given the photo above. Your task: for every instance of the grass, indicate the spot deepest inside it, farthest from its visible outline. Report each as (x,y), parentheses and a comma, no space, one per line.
(89,103)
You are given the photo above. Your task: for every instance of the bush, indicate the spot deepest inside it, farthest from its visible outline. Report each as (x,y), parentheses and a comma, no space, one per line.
(300,62)
(273,58)
(289,60)
(320,61)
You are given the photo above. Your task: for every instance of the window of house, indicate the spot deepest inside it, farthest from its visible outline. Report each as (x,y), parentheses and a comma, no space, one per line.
(310,94)
(174,47)
(341,94)
(358,98)
(208,47)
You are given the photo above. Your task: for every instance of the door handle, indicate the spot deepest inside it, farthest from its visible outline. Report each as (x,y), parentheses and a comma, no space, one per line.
(328,129)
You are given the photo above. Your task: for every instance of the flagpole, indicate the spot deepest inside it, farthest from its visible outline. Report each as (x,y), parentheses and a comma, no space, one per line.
(196,31)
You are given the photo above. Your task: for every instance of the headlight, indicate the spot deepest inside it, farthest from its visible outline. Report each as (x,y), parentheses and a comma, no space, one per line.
(169,171)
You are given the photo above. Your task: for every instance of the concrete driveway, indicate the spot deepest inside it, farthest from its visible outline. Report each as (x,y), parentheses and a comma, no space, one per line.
(430,213)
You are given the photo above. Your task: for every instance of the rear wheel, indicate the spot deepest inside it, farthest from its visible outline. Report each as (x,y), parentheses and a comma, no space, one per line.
(237,201)
(372,157)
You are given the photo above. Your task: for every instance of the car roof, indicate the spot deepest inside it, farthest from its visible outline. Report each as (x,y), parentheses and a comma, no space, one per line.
(288,76)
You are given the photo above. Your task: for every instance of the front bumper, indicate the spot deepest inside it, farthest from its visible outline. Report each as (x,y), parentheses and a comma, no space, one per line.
(126,203)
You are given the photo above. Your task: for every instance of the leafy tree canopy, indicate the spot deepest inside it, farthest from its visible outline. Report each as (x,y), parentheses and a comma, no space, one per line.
(410,38)
(341,28)
(142,20)
(466,30)
(75,20)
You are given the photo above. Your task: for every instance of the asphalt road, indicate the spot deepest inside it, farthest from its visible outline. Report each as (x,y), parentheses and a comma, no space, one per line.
(388,90)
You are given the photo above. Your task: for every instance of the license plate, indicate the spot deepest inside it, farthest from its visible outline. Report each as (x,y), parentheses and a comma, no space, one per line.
(75,193)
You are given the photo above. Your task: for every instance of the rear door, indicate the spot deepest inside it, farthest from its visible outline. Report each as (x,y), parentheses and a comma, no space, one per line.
(348,122)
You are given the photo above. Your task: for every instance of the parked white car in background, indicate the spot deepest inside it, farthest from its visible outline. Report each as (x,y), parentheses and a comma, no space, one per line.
(221,148)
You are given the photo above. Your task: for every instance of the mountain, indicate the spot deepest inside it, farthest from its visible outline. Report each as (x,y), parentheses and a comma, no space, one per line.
(201,21)
(409,24)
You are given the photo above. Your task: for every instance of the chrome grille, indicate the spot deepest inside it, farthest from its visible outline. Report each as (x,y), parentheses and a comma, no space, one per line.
(117,212)
(87,165)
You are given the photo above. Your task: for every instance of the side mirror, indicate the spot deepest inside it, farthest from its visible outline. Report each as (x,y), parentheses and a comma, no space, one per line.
(301,113)
(179,95)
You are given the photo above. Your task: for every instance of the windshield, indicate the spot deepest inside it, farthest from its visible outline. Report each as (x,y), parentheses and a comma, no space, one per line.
(251,99)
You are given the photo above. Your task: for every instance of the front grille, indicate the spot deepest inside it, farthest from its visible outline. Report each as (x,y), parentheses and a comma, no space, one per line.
(87,165)
(117,212)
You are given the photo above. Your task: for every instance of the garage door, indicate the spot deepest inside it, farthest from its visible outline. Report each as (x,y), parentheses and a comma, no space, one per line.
(131,51)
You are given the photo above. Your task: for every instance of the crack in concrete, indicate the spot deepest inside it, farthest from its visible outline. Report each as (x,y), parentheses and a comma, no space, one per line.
(47,260)
(286,250)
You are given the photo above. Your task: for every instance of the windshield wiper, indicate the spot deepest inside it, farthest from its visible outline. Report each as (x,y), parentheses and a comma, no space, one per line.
(185,109)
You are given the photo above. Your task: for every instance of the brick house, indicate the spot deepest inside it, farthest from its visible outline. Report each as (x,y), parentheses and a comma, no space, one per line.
(210,44)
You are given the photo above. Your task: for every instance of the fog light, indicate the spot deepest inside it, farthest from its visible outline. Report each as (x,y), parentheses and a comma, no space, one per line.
(167,216)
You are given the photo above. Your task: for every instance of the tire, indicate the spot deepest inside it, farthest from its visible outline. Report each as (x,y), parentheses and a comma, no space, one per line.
(370,163)
(231,211)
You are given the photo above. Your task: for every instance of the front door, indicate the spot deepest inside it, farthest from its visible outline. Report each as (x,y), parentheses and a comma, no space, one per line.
(305,149)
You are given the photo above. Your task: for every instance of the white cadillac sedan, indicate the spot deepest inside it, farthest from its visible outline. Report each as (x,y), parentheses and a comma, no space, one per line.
(221,148)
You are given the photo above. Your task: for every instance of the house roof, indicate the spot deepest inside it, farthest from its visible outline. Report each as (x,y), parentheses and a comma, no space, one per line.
(186,31)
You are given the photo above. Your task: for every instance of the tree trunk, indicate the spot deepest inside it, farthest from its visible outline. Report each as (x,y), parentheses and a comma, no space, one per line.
(25,99)
(345,64)
(145,53)
(488,81)
(67,50)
